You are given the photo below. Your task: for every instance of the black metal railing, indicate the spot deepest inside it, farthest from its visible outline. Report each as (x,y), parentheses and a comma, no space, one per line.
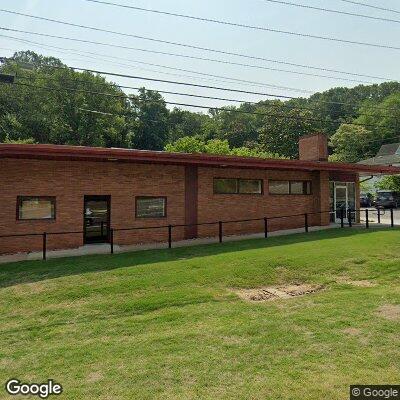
(352,214)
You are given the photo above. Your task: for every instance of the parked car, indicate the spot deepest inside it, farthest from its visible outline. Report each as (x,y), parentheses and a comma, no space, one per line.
(365,200)
(387,199)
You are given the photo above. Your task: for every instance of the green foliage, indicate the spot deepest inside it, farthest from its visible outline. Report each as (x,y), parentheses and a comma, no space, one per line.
(187,144)
(351,143)
(61,112)
(354,143)
(190,144)
(389,183)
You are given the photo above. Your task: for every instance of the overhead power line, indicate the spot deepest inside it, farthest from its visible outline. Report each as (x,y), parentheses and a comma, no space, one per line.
(273,105)
(124,96)
(358,3)
(219,77)
(329,10)
(287,97)
(215,21)
(216,60)
(201,86)
(123,34)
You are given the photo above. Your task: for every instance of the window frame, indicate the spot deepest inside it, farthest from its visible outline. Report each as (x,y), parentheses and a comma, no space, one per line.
(52,199)
(305,183)
(150,197)
(238,186)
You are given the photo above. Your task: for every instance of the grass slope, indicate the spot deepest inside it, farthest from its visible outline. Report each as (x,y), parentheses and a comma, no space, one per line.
(166,324)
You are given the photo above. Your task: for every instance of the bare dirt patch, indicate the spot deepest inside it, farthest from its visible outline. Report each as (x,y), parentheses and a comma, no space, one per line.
(389,311)
(351,331)
(361,283)
(94,377)
(277,292)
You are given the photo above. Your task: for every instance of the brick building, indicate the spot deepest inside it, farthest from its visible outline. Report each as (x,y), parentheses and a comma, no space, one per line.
(85,191)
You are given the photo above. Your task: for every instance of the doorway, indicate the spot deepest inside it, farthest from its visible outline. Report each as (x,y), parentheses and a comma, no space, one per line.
(96,219)
(341,201)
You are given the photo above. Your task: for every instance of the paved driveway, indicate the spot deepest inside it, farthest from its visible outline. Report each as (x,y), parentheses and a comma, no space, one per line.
(385,215)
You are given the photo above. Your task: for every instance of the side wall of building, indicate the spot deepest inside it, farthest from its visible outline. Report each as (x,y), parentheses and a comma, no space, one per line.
(189,192)
(225,207)
(69,182)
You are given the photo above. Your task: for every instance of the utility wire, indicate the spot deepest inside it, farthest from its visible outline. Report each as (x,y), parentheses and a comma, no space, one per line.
(215,21)
(224,78)
(203,86)
(124,96)
(358,3)
(216,60)
(274,105)
(329,10)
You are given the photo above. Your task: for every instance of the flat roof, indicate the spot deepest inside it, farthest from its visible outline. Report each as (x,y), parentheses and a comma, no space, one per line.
(81,153)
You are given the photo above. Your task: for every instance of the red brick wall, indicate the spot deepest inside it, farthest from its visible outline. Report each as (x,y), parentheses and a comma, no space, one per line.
(313,147)
(69,181)
(214,207)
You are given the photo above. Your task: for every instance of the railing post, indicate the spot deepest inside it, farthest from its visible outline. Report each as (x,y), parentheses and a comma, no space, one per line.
(306,222)
(349,218)
(391,218)
(169,236)
(220,231)
(112,240)
(44,246)
(379,215)
(341,218)
(366,218)
(265,227)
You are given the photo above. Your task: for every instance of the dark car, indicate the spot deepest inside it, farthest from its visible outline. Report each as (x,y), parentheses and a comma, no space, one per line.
(387,199)
(365,200)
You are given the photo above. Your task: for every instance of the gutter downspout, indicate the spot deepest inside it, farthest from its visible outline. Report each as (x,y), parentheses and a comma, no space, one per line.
(367,179)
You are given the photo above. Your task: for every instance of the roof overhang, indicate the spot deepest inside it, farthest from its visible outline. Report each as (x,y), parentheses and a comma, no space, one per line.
(80,153)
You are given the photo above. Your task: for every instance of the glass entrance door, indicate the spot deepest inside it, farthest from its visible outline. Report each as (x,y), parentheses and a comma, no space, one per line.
(96,219)
(341,201)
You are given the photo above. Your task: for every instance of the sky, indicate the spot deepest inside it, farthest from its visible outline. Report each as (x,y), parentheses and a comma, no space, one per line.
(299,50)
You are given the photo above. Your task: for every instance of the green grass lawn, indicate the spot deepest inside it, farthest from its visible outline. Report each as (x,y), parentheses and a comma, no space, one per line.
(167,324)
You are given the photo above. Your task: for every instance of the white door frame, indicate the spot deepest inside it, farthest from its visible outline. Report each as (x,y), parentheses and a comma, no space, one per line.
(341,185)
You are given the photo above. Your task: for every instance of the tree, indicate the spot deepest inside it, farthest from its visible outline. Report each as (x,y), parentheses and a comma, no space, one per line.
(149,129)
(379,123)
(351,143)
(51,105)
(282,128)
(187,144)
(190,144)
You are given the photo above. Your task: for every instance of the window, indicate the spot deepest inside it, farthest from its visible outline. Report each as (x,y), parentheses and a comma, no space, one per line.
(151,207)
(279,187)
(250,186)
(225,186)
(31,208)
(289,187)
(237,186)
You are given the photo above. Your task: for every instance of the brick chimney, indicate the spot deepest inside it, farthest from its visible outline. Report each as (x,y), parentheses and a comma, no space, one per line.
(313,147)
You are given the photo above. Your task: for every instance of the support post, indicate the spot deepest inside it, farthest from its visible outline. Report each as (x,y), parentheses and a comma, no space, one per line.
(44,246)
(112,240)
(169,236)
(366,218)
(341,218)
(306,222)
(220,231)
(378,210)
(349,218)
(391,218)
(265,227)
